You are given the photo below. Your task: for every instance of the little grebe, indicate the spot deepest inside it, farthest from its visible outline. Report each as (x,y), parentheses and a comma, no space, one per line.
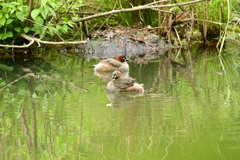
(123,84)
(109,65)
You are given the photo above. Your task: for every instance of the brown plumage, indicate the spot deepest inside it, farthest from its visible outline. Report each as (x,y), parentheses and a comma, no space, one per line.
(109,65)
(123,84)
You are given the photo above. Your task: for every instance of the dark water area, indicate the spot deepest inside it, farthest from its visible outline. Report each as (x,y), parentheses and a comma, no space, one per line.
(53,106)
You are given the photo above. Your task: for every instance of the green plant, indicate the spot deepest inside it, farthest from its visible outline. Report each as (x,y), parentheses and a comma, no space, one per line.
(39,18)
(12,21)
(43,16)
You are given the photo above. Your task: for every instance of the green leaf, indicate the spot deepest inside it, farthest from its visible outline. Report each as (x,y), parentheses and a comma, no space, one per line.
(52,11)
(2,20)
(26,29)
(6,15)
(10,5)
(53,4)
(20,16)
(23,9)
(5,67)
(37,29)
(44,12)
(65,27)
(9,34)
(17,29)
(40,87)
(34,95)
(35,13)
(9,21)
(68,23)
(1,35)
(43,2)
(2,83)
(22,92)
(39,20)
(51,30)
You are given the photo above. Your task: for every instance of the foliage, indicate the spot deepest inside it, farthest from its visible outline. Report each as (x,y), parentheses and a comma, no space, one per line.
(12,21)
(185,111)
(43,19)
(52,19)
(45,12)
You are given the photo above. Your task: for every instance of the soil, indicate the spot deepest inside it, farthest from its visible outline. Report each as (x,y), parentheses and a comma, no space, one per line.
(113,41)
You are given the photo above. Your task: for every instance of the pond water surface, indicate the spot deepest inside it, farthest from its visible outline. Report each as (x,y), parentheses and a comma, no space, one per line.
(61,110)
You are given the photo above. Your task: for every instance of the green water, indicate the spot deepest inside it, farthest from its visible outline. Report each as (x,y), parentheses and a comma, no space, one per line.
(189,111)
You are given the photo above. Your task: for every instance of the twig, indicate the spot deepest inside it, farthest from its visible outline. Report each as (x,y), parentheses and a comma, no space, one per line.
(46,27)
(157,2)
(133,37)
(179,51)
(83,13)
(178,36)
(45,86)
(61,15)
(155,9)
(140,40)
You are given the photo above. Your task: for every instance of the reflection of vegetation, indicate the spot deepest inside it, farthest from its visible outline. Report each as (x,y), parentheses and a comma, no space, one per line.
(39,80)
(190,109)
(181,67)
(35,74)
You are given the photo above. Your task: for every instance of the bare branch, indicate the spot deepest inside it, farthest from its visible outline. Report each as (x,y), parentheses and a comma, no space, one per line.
(48,42)
(31,41)
(157,2)
(205,21)
(155,9)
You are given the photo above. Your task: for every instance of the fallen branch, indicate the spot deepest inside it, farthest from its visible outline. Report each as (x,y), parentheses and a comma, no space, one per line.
(48,42)
(18,46)
(141,7)
(32,40)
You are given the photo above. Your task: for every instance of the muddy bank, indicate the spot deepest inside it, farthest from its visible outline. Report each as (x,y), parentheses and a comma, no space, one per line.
(114,41)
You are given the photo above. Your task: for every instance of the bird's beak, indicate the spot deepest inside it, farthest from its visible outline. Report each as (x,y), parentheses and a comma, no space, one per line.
(125,59)
(113,77)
